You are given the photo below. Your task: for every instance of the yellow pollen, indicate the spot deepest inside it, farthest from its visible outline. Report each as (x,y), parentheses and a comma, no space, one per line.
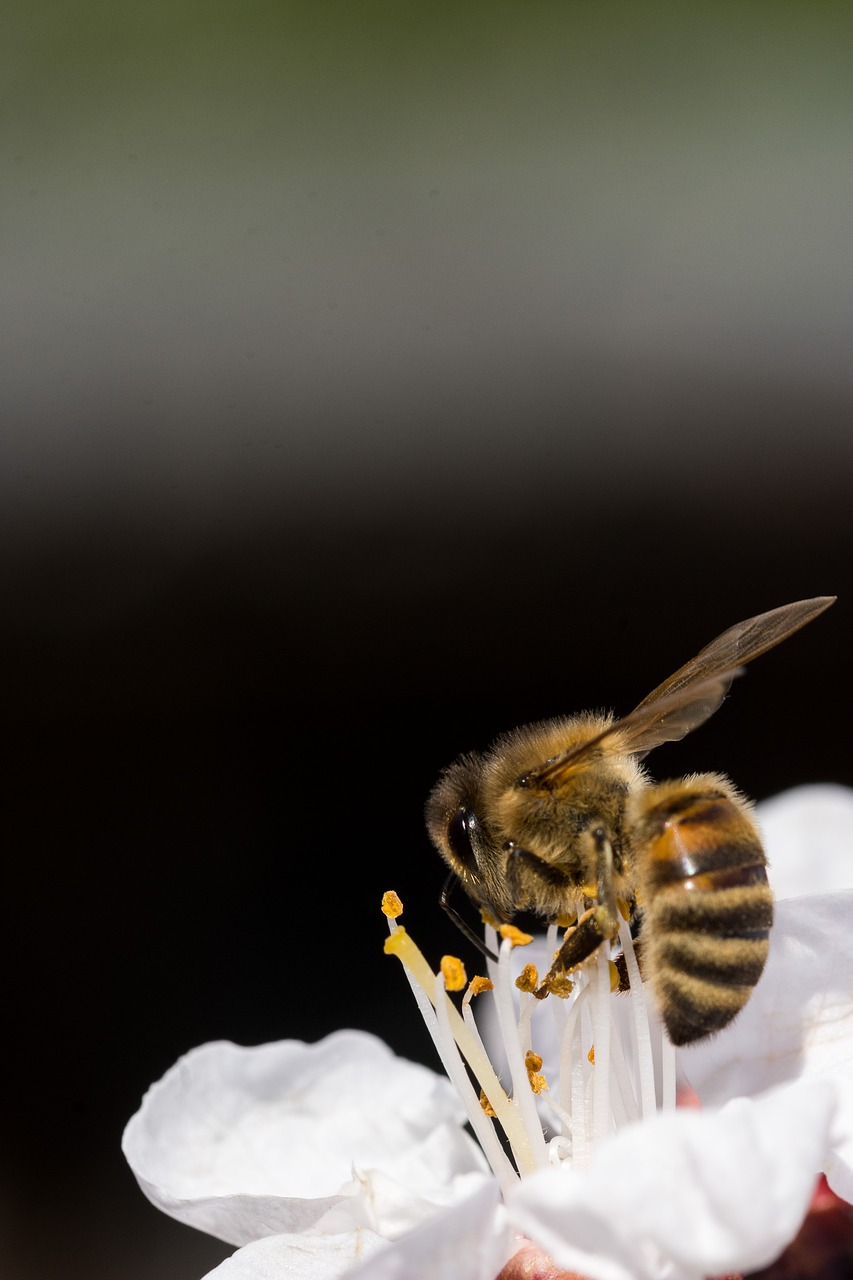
(533,1062)
(614,976)
(486,1105)
(488,918)
(591,1054)
(454,973)
(518,939)
(559,984)
(528,979)
(624,909)
(565,922)
(391,905)
(479,984)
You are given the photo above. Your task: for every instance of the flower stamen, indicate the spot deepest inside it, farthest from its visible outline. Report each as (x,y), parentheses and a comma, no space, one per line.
(391,905)
(455,1037)
(533,1063)
(528,979)
(515,936)
(605,1069)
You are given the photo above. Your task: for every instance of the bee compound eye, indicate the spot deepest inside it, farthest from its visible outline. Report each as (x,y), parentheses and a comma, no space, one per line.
(460,830)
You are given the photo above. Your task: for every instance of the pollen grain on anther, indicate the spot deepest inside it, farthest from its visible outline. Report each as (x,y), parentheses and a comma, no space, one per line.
(453,971)
(528,979)
(511,934)
(391,905)
(486,1105)
(533,1064)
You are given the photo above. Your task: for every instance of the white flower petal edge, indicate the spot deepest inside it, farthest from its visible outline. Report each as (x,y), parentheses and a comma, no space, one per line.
(300,1257)
(250,1142)
(798,1023)
(470,1241)
(686,1195)
(808,838)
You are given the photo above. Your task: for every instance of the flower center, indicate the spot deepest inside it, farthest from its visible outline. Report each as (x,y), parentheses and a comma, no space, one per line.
(579,1064)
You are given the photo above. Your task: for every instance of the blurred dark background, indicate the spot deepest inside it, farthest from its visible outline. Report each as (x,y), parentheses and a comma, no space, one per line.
(374,378)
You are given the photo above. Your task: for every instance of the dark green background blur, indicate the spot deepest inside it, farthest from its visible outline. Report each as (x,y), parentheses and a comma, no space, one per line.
(374,377)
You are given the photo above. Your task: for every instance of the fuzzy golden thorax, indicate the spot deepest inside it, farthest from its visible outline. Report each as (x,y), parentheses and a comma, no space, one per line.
(525,847)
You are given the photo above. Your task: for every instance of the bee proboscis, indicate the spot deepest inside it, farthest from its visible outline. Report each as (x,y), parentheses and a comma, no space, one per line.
(561,818)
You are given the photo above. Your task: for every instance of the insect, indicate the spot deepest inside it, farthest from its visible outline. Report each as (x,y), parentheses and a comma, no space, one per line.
(561,818)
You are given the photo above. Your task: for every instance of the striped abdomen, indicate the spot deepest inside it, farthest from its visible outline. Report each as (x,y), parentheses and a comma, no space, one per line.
(707,907)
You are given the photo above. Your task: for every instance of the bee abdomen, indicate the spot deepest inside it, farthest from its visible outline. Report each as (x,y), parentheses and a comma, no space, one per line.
(708,909)
(720,961)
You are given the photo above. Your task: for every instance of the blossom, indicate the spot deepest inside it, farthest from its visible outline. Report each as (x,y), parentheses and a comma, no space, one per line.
(341,1159)
(334,1140)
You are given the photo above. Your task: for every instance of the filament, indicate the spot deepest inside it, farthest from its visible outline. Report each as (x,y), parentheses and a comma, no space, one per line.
(645,1061)
(604,1075)
(602,1120)
(521,1091)
(400,944)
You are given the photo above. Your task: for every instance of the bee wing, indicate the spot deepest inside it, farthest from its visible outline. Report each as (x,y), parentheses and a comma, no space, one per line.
(739,645)
(665,720)
(695,691)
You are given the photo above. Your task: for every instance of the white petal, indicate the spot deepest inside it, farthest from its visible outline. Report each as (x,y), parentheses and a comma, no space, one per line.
(703,1192)
(808,838)
(248,1142)
(471,1241)
(799,1020)
(391,1207)
(299,1257)
(839,1166)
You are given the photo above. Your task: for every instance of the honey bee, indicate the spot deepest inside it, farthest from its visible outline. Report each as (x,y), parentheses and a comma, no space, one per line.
(560,818)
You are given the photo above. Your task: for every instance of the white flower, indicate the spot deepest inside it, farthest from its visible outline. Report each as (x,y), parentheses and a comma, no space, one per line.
(340,1159)
(289,1137)
(808,839)
(692,1193)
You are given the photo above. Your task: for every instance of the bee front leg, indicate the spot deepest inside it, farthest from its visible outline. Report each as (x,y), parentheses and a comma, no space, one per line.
(606,912)
(523,862)
(599,924)
(581,943)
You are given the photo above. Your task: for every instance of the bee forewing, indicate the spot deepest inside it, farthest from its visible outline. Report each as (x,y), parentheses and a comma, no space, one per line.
(694,691)
(667,720)
(740,644)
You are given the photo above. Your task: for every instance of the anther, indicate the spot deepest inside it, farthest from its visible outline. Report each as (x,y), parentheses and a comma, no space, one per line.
(391,905)
(528,979)
(518,939)
(453,972)
(533,1063)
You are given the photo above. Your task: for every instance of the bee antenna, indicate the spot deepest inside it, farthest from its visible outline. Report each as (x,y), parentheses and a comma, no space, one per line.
(464,928)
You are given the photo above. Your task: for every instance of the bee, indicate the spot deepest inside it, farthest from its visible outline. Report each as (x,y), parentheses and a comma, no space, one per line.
(560,818)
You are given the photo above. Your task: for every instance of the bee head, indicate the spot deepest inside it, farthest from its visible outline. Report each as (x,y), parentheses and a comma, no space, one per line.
(457,828)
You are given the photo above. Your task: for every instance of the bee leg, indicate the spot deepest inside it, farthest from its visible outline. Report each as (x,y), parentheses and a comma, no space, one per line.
(580,944)
(606,910)
(449,885)
(596,925)
(552,875)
